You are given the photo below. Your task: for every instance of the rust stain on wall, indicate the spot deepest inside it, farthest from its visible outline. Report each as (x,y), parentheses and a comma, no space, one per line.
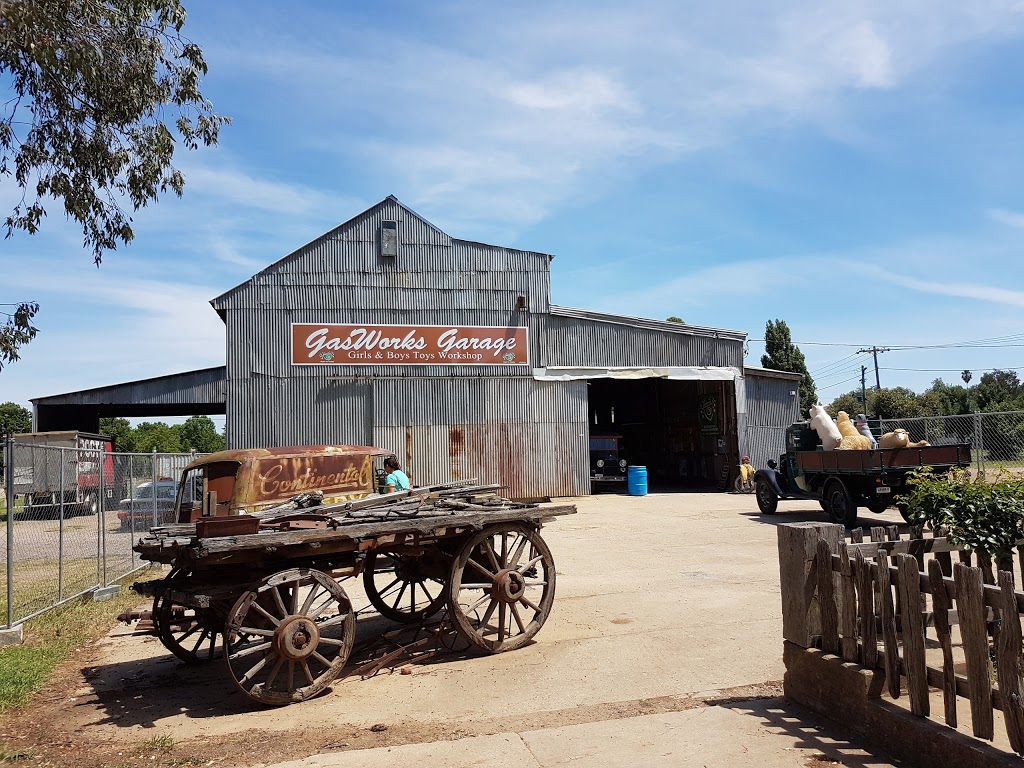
(456,448)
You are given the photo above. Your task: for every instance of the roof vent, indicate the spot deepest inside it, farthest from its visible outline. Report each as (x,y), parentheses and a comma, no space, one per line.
(389,238)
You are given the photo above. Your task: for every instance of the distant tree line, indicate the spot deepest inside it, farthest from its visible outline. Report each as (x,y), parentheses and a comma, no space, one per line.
(198,433)
(995,391)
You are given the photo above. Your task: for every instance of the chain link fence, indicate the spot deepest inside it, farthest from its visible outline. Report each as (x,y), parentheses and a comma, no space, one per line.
(996,439)
(71,516)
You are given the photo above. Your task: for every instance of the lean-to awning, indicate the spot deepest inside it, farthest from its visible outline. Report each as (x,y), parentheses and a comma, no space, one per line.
(677,373)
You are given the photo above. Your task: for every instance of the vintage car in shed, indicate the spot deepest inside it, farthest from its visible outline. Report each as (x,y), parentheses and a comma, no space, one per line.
(607,466)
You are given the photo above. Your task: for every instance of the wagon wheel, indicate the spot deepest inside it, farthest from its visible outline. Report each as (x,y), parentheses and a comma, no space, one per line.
(296,628)
(194,635)
(501,587)
(404,587)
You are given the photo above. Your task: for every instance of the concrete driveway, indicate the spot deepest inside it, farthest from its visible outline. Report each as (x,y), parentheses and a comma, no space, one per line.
(665,603)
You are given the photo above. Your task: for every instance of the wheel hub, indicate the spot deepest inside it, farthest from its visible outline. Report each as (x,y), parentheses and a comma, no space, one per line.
(509,585)
(297,637)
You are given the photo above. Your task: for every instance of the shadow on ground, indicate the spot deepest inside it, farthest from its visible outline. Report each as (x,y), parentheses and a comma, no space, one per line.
(825,739)
(146,691)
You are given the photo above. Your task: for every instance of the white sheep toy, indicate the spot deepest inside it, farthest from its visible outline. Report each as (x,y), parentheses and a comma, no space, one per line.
(826,428)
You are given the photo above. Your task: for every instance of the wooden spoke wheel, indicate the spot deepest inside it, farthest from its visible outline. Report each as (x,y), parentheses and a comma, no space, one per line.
(501,587)
(406,588)
(296,631)
(194,635)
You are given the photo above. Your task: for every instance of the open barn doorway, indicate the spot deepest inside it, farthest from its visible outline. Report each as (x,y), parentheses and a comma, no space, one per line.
(684,432)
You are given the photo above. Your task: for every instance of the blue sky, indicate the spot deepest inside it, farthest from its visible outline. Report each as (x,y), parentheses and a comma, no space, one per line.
(851,167)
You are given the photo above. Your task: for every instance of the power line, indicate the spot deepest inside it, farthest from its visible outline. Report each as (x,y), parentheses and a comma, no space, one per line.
(1011,340)
(957,370)
(834,364)
(838,374)
(840,383)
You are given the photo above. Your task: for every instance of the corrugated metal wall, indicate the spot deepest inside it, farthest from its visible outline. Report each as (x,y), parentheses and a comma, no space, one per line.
(447,422)
(770,409)
(530,436)
(580,342)
(202,386)
(495,423)
(265,411)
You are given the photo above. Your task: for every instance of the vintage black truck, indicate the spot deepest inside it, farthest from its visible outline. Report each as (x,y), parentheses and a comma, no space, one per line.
(842,481)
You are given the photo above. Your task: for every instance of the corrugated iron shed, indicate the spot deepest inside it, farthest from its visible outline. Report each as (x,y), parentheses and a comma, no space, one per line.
(525,425)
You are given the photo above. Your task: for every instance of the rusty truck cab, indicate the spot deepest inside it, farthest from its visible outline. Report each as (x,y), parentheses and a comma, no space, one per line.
(246,481)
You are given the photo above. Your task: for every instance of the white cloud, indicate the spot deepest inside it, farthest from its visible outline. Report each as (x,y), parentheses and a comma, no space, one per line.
(1010,218)
(988,294)
(521,109)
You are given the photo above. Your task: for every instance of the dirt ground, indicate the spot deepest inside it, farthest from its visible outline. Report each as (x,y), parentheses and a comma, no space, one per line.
(665,603)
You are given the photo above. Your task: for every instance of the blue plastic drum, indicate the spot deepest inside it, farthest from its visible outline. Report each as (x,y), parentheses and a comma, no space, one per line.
(636,481)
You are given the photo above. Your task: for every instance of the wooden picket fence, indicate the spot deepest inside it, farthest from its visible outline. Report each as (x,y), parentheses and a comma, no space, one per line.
(919,609)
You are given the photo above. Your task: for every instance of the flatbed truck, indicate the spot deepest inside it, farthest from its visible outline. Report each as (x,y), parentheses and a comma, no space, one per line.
(843,481)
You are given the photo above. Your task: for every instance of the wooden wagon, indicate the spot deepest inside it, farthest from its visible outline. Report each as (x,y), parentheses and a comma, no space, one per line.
(264,591)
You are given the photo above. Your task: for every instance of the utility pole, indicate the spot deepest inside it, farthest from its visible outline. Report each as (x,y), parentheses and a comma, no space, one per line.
(874,351)
(863,388)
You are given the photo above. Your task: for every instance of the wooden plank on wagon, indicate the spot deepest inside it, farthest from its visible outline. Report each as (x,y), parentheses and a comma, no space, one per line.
(827,599)
(1009,666)
(866,610)
(847,607)
(971,609)
(942,606)
(422,524)
(887,614)
(913,634)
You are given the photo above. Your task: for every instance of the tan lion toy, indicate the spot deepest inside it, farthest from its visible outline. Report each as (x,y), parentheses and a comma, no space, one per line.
(852,440)
(899,438)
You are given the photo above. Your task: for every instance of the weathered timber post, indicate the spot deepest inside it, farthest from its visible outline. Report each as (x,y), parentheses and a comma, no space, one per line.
(798,544)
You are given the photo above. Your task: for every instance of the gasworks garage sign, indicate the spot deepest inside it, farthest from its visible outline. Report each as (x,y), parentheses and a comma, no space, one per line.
(337,344)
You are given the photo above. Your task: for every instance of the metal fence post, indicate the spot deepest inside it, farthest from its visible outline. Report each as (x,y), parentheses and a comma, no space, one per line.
(153,488)
(100,510)
(60,532)
(979,441)
(9,491)
(131,505)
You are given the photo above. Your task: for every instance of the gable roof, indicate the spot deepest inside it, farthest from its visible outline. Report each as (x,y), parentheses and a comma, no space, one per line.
(436,236)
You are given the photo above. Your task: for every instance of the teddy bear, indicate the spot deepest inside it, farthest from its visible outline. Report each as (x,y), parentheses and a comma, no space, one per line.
(852,440)
(827,430)
(899,438)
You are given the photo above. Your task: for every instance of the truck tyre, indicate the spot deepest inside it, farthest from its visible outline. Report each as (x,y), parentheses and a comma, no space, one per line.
(841,506)
(767,499)
(878,506)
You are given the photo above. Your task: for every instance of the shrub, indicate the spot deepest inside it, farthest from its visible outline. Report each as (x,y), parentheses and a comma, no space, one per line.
(983,517)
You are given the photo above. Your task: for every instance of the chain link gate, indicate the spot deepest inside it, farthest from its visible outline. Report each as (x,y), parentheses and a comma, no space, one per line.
(996,439)
(71,517)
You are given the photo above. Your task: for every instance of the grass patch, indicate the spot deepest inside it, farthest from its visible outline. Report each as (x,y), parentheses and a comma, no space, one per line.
(36,587)
(14,755)
(53,637)
(164,743)
(19,507)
